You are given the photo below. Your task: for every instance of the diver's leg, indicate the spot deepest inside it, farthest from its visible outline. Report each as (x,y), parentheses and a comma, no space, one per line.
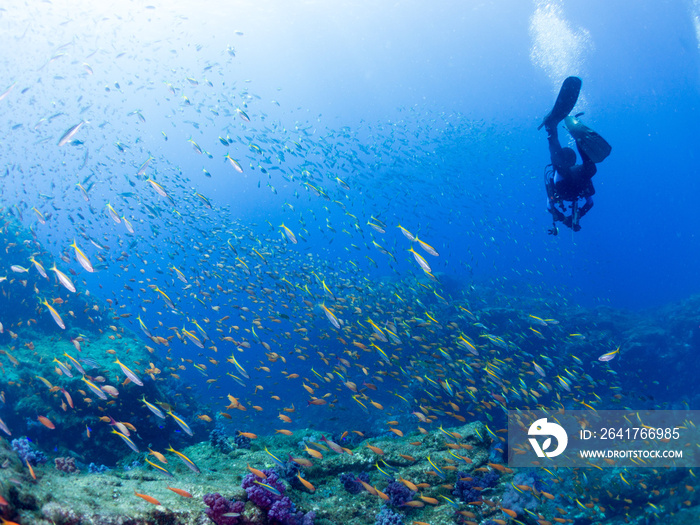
(554,146)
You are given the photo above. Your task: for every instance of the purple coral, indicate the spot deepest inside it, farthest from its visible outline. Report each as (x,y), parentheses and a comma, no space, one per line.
(279,507)
(223,511)
(259,495)
(26,451)
(289,472)
(469,489)
(241,441)
(284,511)
(350,483)
(94,468)
(519,500)
(388,517)
(218,438)
(398,493)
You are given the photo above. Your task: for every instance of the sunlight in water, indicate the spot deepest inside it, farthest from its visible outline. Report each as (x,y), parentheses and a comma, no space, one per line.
(557,48)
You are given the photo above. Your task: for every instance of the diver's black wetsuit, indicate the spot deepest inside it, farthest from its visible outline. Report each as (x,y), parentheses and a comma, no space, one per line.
(568,182)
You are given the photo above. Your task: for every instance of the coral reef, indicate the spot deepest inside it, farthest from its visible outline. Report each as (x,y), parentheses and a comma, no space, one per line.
(231,498)
(268,498)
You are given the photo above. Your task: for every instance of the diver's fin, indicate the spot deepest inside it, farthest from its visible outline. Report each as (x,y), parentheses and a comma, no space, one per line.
(566,100)
(588,141)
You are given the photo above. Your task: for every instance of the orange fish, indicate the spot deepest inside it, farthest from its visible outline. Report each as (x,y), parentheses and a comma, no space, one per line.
(68,397)
(158,455)
(306,484)
(259,473)
(149,499)
(46,422)
(180,492)
(249,435)
(410,485)
(376,450)
(31,470)
(381,494)
(497,466)
(301,461)
(313,453)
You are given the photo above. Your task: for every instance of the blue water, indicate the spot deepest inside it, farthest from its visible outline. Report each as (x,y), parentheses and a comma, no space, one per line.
(428,114)
(442,67)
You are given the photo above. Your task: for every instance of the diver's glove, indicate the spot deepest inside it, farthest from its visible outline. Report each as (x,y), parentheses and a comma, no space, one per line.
(576,227)
(551,130)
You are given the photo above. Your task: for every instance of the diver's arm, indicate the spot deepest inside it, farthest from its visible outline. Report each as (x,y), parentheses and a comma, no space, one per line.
(556,214)
(586,207)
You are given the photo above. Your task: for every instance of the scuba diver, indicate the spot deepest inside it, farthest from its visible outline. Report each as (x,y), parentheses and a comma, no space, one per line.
(566,182)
